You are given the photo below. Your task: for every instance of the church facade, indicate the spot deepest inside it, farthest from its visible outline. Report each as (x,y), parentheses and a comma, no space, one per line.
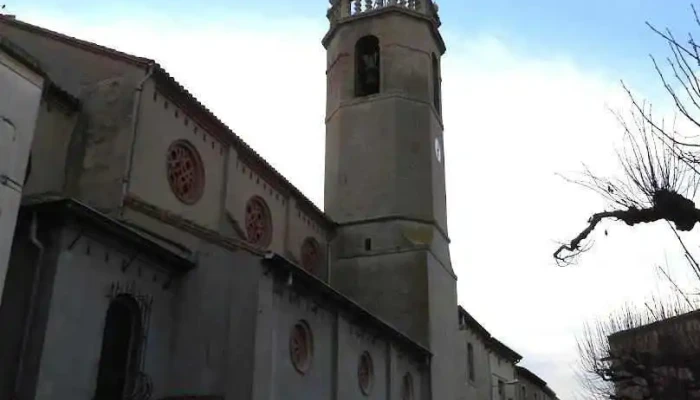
(157,256)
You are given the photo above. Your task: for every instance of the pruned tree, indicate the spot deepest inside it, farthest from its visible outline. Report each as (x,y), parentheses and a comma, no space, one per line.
(643,353)
(660,161)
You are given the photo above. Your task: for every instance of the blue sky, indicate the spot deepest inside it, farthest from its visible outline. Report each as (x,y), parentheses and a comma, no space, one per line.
(525,85)
(606,34)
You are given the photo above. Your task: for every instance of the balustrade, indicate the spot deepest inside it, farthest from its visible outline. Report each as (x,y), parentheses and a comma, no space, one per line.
(341,9)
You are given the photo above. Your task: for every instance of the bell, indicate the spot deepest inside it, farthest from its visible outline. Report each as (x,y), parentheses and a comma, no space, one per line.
(372,77)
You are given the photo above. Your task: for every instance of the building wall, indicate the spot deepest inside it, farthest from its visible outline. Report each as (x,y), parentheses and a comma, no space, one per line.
(528,390)
(160,123)
(478,388)
(502,370)
(338,342)
(19,108)
(55,126)
(87,273)
(16,301)
(99,148)
(291,222)
(244,184)
(230,181)
(214,335)
(302,225)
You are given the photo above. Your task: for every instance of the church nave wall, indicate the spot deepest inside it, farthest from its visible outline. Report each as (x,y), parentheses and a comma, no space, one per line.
(178,165)
(314,344)
(91,273)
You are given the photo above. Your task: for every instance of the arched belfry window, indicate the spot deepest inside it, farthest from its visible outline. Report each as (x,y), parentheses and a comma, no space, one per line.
(367,62)
(436,83)
(120,355)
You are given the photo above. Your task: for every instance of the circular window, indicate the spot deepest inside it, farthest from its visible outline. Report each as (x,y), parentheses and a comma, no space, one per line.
(365,373)
(407,387)
(301,347)
(258,224)
(185,172)
(310,254)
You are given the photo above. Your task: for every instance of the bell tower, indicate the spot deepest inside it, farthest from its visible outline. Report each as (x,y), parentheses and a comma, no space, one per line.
(385,174)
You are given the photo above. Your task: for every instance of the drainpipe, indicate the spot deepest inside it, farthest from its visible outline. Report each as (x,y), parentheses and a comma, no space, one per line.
(134,124)
(329,256)
(32,299)
(329,260)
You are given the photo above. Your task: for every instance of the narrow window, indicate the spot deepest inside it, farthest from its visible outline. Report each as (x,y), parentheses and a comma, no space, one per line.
(470,361)
(501,390)
(368,244)
(436,84)
(367,62)
(119,359)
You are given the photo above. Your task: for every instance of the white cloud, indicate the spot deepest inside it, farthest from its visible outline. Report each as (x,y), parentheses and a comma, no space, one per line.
(512,122)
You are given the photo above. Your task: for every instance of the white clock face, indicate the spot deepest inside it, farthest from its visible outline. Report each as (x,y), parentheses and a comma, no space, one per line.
(438,150)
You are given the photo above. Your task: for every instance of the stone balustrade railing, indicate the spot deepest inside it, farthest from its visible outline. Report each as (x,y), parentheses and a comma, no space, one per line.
(341,9)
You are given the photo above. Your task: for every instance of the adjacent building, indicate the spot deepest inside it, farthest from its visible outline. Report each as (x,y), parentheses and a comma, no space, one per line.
(490,371)
(657,360)
(504,379)
(21,88)
(532,387)
(476,366)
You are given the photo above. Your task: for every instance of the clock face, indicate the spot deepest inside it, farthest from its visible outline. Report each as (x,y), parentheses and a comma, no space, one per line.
(438,150)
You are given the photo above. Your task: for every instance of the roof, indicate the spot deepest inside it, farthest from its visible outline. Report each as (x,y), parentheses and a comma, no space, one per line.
(60,209)
(164,78)
(549,392)
(50,87)
(20,55)
(656,324)
(531,376)
(491,342)
(472,323)
(504,351)
(302,277)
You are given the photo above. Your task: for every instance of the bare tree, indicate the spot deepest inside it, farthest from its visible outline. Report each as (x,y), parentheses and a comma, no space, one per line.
(643,353)
(659,164)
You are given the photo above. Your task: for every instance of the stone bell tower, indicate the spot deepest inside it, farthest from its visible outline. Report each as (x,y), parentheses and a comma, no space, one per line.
(385,174)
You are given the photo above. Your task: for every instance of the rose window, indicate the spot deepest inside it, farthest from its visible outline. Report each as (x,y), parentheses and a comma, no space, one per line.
(258,223)
(407,387)
(365,373)
(301,347)
(185,172)
(310,254)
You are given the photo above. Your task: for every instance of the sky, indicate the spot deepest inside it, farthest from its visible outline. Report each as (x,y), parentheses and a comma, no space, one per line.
(527,92)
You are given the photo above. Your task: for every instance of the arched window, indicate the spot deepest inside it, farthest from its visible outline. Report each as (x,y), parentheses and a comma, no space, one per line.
(436,83)
(367,62)
(470,361)
(119,358)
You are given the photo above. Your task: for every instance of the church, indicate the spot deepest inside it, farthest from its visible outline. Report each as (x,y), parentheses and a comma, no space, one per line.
(155,255)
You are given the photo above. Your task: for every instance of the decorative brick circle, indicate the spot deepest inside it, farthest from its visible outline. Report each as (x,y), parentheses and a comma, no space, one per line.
(365,373)
(185,172)
(301,347)
(258,222)
(407,387)
(310,254)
